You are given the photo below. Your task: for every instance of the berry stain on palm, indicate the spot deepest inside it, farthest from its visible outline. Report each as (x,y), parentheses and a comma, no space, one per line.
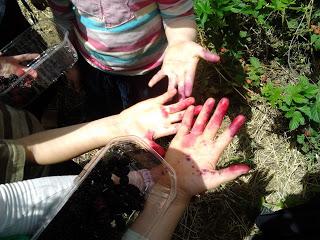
(204,171)
(189,140)
(195,170)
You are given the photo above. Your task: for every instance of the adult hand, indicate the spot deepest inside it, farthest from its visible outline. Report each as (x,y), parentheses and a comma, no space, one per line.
(180,63)
(12,65)
(152,119)
(195,150)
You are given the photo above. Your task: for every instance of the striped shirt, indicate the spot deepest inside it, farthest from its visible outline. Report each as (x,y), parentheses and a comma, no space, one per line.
(121,36)
(16,124)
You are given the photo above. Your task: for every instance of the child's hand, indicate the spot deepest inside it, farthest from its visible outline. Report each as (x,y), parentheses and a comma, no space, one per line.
(180,63)
(11,65)
(195,150)
(152,119)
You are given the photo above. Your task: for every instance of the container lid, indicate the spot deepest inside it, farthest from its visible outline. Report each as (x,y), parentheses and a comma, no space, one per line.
(53,55)
(110,192)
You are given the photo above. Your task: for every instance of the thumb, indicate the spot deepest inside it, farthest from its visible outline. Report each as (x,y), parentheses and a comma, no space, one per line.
(228,174)
(209,56)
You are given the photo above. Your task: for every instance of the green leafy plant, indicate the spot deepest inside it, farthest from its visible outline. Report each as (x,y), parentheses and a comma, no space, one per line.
(300,104)
(315,41)
(255,71)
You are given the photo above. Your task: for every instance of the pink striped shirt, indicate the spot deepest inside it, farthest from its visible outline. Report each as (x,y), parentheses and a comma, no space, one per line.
(121,36)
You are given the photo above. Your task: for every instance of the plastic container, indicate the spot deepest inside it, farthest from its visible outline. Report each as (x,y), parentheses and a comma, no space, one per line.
(88,213)
(56,55)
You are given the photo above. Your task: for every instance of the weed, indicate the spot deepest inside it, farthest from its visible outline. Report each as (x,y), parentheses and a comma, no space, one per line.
(300,104)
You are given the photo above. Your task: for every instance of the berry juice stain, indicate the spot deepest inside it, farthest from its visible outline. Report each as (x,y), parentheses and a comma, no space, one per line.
(164,113)
(189,140)
(197,109)
(236,125)
(219,113)
(201,121)
(181,105)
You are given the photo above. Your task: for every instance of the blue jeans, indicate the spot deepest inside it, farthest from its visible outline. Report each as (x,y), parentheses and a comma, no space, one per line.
(108,94)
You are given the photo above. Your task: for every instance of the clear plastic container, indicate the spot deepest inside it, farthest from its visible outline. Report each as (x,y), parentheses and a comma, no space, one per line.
(100,208)
(56,55)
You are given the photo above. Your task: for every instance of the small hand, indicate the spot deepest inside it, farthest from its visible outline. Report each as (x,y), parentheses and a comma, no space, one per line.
(195,150)
(180,63)
(151,119)
(11,65)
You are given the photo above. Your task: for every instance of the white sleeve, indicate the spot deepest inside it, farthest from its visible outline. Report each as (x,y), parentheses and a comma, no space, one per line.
(132,235)
(24,204)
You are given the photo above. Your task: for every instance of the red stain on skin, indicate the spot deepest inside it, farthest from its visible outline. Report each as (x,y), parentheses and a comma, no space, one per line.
(192,166)
(204,142)
(219,113)
(181,105)
(206,171)
(243,168)
(197,109)
(149,135)
(189,140)
(188,117)
(211,57)
(236,125)
(188,158)
(160,150)
(188,88)
(164,113)
(203,117)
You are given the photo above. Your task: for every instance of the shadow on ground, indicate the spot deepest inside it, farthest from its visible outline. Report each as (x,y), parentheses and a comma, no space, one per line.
(300,217)
(225,214)
(311,189)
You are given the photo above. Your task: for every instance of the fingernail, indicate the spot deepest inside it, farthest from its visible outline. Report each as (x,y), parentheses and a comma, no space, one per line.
(240,168)
(211,57)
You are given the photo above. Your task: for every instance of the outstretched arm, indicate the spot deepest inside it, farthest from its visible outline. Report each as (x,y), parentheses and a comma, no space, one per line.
(149,119)
(194,155)
(183,53)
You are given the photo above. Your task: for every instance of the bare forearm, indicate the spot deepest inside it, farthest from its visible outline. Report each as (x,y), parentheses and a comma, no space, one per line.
(61,144)
(166,223)
(181,30)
